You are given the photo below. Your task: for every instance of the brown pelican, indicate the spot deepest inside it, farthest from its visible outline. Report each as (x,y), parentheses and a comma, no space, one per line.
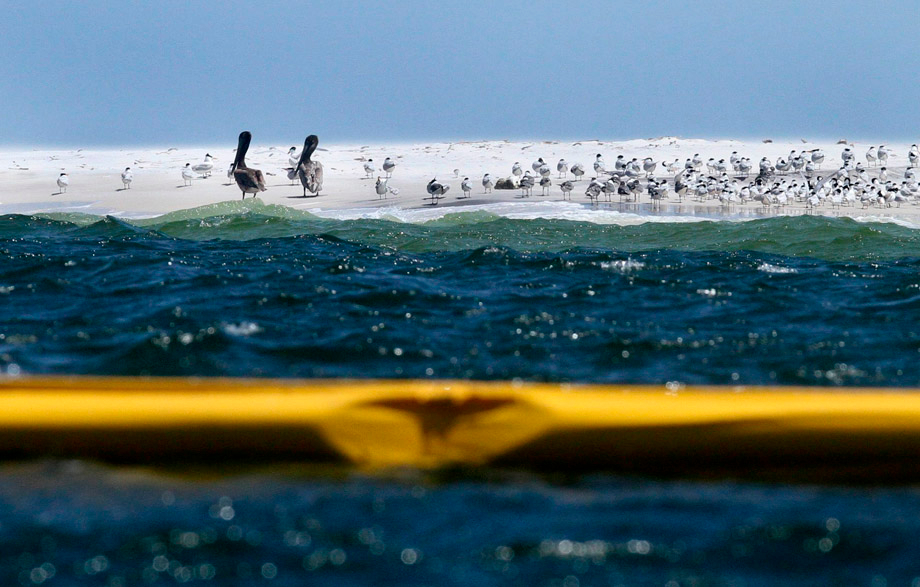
(310,172)
(251,181)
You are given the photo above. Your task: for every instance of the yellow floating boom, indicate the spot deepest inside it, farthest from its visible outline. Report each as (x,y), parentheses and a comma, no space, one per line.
(811,433)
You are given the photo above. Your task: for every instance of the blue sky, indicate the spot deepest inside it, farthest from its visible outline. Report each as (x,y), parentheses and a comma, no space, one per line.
(100,73)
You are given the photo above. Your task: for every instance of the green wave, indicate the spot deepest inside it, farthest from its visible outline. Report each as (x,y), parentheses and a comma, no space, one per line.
(835,239)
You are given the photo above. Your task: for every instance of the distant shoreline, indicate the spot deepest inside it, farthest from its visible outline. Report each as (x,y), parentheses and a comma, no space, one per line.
(27,177)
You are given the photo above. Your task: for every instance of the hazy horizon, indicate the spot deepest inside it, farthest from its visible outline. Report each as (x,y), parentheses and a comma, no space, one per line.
(230,142)
(109,74)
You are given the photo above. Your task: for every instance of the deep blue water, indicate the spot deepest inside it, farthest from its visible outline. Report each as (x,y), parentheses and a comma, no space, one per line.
(89,525)
(269,293)
(469,297)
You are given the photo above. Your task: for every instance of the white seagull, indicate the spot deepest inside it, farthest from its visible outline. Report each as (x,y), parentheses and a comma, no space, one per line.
(744,166)
(63,181)
(593,191)
(487,183)
(436,191)
(369,168)
(127,177)
(847,155)
(293,162)
(187,175)
(697,161)
(466,186)
(882,155)
(381,187)
(527,183)
(817,157)
(205,167)
(566,187)
(599,167)
(562,167)
(388,166)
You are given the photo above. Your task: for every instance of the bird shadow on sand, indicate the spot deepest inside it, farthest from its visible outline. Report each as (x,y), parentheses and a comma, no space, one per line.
(57,193)
(121,190)
(302,197)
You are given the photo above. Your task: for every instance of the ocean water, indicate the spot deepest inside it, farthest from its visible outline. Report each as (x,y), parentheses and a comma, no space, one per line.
(549,292)
(254,290)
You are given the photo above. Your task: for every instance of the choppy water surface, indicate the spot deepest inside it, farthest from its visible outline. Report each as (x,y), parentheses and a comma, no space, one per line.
(254,290)
(801,300)
(78,524)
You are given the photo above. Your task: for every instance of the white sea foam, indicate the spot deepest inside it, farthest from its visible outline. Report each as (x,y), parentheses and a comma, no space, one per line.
(622,265)
(899,220)
(242,329)
(714,293)
(571,211)
(673,213)
(768,268)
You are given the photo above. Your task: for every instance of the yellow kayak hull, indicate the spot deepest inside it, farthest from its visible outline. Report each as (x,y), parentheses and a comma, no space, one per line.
(810,433)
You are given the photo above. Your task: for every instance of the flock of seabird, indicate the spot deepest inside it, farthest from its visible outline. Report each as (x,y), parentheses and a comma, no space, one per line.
(797,178)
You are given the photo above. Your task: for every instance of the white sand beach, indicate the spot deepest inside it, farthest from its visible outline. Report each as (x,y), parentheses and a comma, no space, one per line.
(28,177)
